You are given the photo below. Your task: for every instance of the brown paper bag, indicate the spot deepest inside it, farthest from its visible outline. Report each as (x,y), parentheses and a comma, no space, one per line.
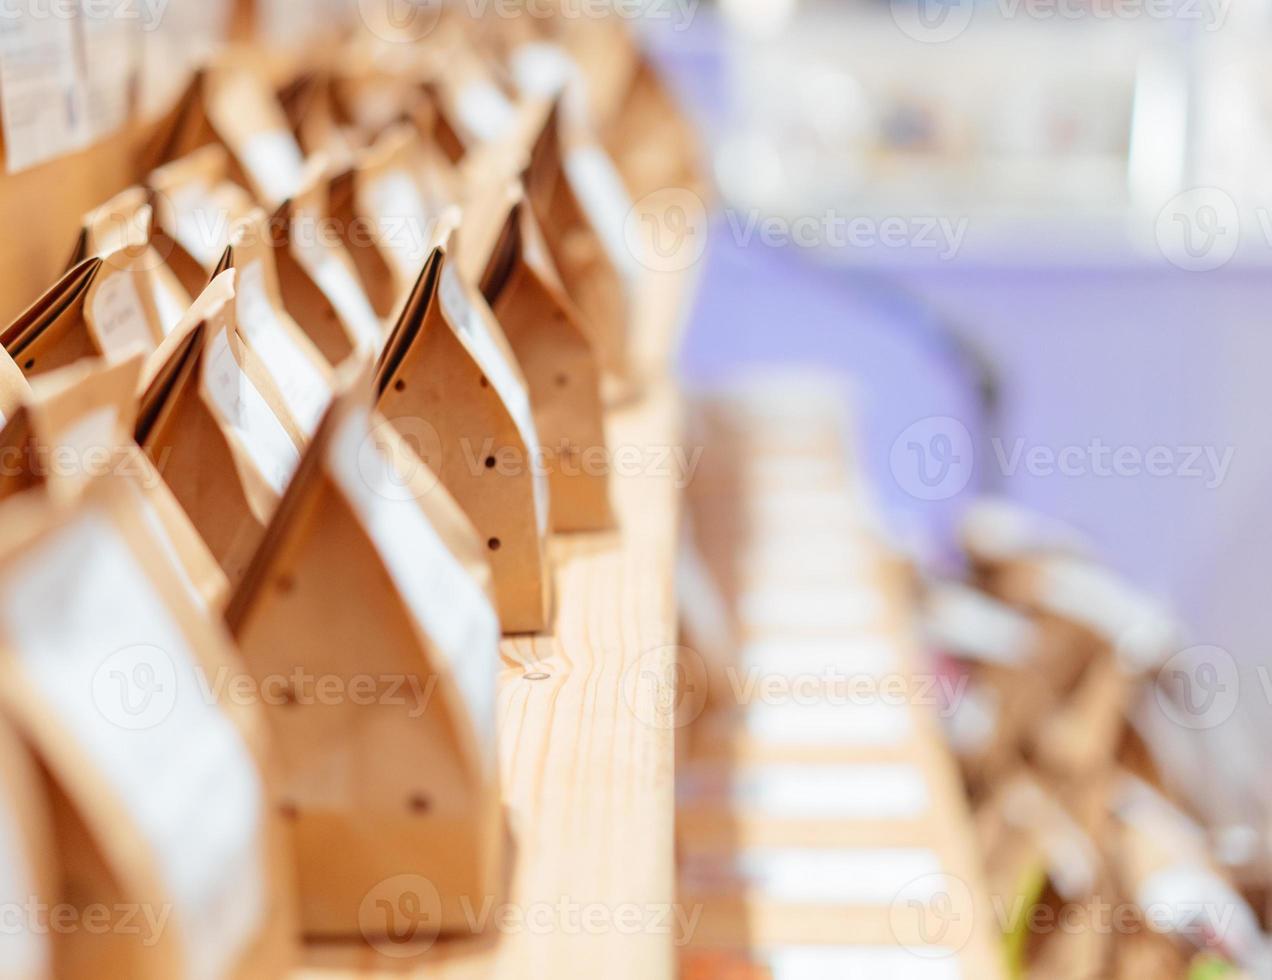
(387,213)
(1163,865)
(76,424)
(651,141)
(29,879)
(103,307)
(502,249)
(448,378)
(316,121)
(230,102)
(161,806)
(317,278)
(195,208)
(126,220)
(472,102)
(215,425)
(297,367)
(581,206)
(391,795)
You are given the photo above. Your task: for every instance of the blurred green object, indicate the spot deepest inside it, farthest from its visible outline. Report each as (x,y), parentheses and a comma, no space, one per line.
(1016,941)
(1207,967)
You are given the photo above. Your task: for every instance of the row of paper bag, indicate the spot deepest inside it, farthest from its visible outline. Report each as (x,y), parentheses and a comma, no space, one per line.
(282,451)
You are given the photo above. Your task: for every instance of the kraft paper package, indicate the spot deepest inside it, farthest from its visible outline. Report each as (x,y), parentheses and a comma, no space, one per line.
(640,125)
(159,779)
(230,102)
(501,248)
(390,789)
(995,532)
(472,102)
(1039,858)
(448,378)
(581,204)
(298,369)
(310,103)
(650,140)
(387,208)
(126,220)
(1160,857)
(213,422)
(996,646)
(317,278)
(77,423)
(196,206)
(101,308)
(28,862)
(1105,634)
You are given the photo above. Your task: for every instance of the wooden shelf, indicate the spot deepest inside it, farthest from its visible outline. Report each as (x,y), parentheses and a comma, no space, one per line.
(587,769)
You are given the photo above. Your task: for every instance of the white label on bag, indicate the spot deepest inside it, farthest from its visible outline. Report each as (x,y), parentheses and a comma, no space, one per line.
(276,164)
(155,523)
(343,292)
(169,308)
(791,609)
(305,391)
(1188,900)
(861,963)
(448,606)
(24,947)
(119,318)
(965,621)
(485,111)
(828,791)
(541,69)
(115,669)
(463,313)
(42,93)
(404,224)
(794,656)
(873,725)
(112,50)
(202,225)
(847,876)
(606,202)
(246,412)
